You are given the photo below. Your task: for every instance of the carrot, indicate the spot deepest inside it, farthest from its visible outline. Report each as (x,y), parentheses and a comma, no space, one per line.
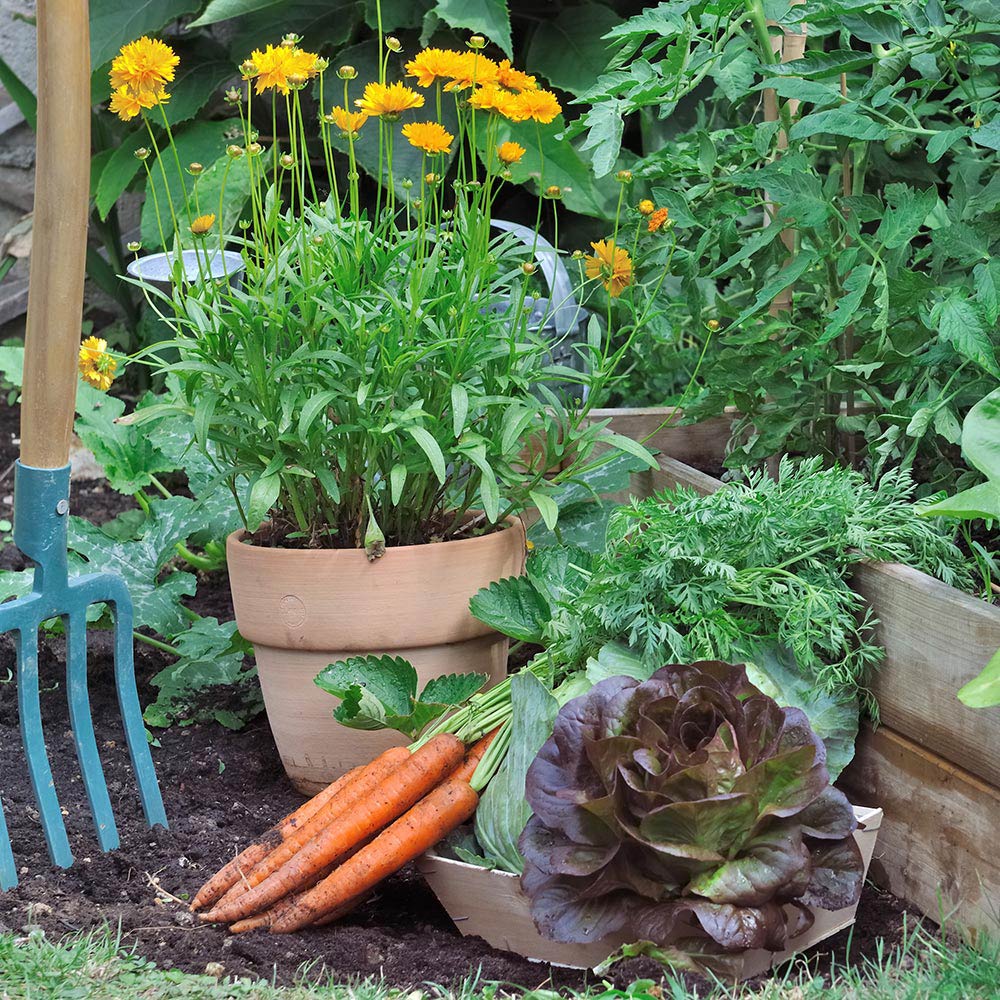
(449,805)
(349,794)
(446,807)
(395,794)
(244,862)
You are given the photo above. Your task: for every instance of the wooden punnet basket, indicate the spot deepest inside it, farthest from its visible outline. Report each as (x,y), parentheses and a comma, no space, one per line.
(490,904)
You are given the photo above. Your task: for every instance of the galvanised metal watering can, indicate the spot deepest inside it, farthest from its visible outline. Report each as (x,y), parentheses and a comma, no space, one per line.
(41,486)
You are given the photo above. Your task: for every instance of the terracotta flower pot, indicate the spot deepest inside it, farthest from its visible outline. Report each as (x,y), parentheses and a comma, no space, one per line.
(304,609)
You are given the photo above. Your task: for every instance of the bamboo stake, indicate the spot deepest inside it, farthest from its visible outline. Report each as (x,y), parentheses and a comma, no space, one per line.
(791,45)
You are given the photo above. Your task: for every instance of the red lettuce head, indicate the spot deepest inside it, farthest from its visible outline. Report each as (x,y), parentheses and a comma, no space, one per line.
(687,801)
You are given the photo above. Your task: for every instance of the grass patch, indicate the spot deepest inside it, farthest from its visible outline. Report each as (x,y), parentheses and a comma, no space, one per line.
(94,965)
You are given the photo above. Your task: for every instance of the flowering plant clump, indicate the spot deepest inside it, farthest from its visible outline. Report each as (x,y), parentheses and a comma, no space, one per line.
(383,373)
(688,812)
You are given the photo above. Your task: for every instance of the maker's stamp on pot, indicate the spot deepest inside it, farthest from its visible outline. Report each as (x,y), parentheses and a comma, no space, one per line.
(293,611)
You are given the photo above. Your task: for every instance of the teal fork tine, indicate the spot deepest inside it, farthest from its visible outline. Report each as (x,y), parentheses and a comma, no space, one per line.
(41,507)
(41,479)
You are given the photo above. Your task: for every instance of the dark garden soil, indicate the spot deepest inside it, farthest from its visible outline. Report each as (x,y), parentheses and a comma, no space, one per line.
(221,790)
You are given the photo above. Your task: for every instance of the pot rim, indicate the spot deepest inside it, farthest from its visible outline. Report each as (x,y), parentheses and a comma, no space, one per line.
(238,537)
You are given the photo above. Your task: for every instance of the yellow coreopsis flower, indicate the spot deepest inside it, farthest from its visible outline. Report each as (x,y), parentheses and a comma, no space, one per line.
(388,100)
(431,65)
(514,79)
(612,265)
(145,66)
(658,218)
(97,367)
(349,122)
(429,136)
(510,152)
(493,98)
(472,68)
(537,105)
(201,225)
(127,103)
(303,64)
(277,67)
(646,207)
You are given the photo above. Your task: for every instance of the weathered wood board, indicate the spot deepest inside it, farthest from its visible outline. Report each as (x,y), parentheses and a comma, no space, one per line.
(939,847)
(701,442)
(936,639)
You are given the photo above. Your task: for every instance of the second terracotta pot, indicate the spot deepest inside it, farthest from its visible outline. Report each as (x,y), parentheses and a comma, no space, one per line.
(304,609)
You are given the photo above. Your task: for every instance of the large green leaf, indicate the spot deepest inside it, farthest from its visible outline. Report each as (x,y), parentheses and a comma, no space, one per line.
(323,25)
(209,682)
(557,162)
(833,717)
(514,607)
(486,17)
(118,172)
(568,50)
(980,502)
(981,436)
(984,690)
(129,455)
(559,573)
(380,692)
(140,561)
(847,121)
(960,323)
(112,24)
(503,810)
(617,660)
(223,10)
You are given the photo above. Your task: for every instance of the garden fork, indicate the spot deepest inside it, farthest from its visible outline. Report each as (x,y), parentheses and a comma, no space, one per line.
(41,485)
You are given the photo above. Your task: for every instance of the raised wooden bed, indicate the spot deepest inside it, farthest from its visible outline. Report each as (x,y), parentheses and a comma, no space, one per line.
(933,765)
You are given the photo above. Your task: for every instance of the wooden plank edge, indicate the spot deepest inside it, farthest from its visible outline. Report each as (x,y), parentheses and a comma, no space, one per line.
(938,839)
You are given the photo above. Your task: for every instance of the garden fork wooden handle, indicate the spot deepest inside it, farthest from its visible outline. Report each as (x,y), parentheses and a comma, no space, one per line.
(59,239)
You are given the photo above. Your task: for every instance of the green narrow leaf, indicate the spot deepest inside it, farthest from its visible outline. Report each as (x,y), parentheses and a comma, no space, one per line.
(430,448)
(459,408)
(547,507)
(315,405)
(629,446)
(20,94)
(263,496)
(397,478)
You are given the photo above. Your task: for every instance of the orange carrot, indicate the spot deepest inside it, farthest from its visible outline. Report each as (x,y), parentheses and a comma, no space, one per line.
(244,862)
(449,805)
(350,794)
(392,797)
(446,807)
